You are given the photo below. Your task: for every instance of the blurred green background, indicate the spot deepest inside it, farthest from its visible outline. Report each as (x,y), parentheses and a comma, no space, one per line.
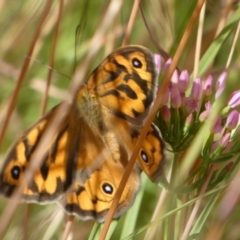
(166,20)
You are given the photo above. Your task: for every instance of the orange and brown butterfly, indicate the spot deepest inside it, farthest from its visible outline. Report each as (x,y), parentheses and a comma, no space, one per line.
(83,163)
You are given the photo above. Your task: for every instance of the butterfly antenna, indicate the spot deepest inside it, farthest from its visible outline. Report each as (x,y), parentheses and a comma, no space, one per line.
(75,46)
(81,26)
(47,66)
(161,51)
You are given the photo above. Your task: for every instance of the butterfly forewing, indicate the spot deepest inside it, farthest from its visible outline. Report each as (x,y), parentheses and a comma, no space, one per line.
(125,83)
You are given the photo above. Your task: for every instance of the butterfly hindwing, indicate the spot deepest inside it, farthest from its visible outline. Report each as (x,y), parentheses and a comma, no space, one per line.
(93,199)
(151,157)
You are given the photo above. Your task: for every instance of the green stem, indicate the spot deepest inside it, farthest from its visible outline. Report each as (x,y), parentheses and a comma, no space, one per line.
(173,197)
(174,170)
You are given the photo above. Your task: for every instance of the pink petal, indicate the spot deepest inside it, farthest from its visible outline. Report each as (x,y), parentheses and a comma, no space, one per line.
(207,88)
(158,62)
(176,100)
(196,92)
(166,114)
(167,64)
(174,78)
(234,99)
(232,120)
(217,128)
(220,85)
(204,115)
(224,140)
(221,82)
(165,97)
(183,81)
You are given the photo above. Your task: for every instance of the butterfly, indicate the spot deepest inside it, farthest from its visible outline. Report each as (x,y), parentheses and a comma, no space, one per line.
(84,161)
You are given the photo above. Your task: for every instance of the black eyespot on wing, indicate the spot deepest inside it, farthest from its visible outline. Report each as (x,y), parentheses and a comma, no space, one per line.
(144,156)
(136,63)
(107,188)
(15,172)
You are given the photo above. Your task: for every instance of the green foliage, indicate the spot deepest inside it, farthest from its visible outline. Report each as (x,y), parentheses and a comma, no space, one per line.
(171,208)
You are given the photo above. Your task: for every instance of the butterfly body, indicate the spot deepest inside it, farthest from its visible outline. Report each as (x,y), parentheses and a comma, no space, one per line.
(85,159)
(89,107)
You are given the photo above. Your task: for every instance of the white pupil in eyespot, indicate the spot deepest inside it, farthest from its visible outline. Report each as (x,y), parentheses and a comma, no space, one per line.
(107,188)
(136,63)
(15,172)
(144,156)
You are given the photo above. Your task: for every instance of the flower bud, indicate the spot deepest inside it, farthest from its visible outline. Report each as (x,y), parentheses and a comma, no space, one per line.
(204,115)
(228,147)
(176,100)
(167,64)
(196,92)
(217,128)
(214,146)
(207,87)
(158,62)
(234,99)
(220,85)
(183,81)
(165,97)
(189,119)
(208,105)
(224,140)
(166,114)
(188,123)
(232,120)
(174,78)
